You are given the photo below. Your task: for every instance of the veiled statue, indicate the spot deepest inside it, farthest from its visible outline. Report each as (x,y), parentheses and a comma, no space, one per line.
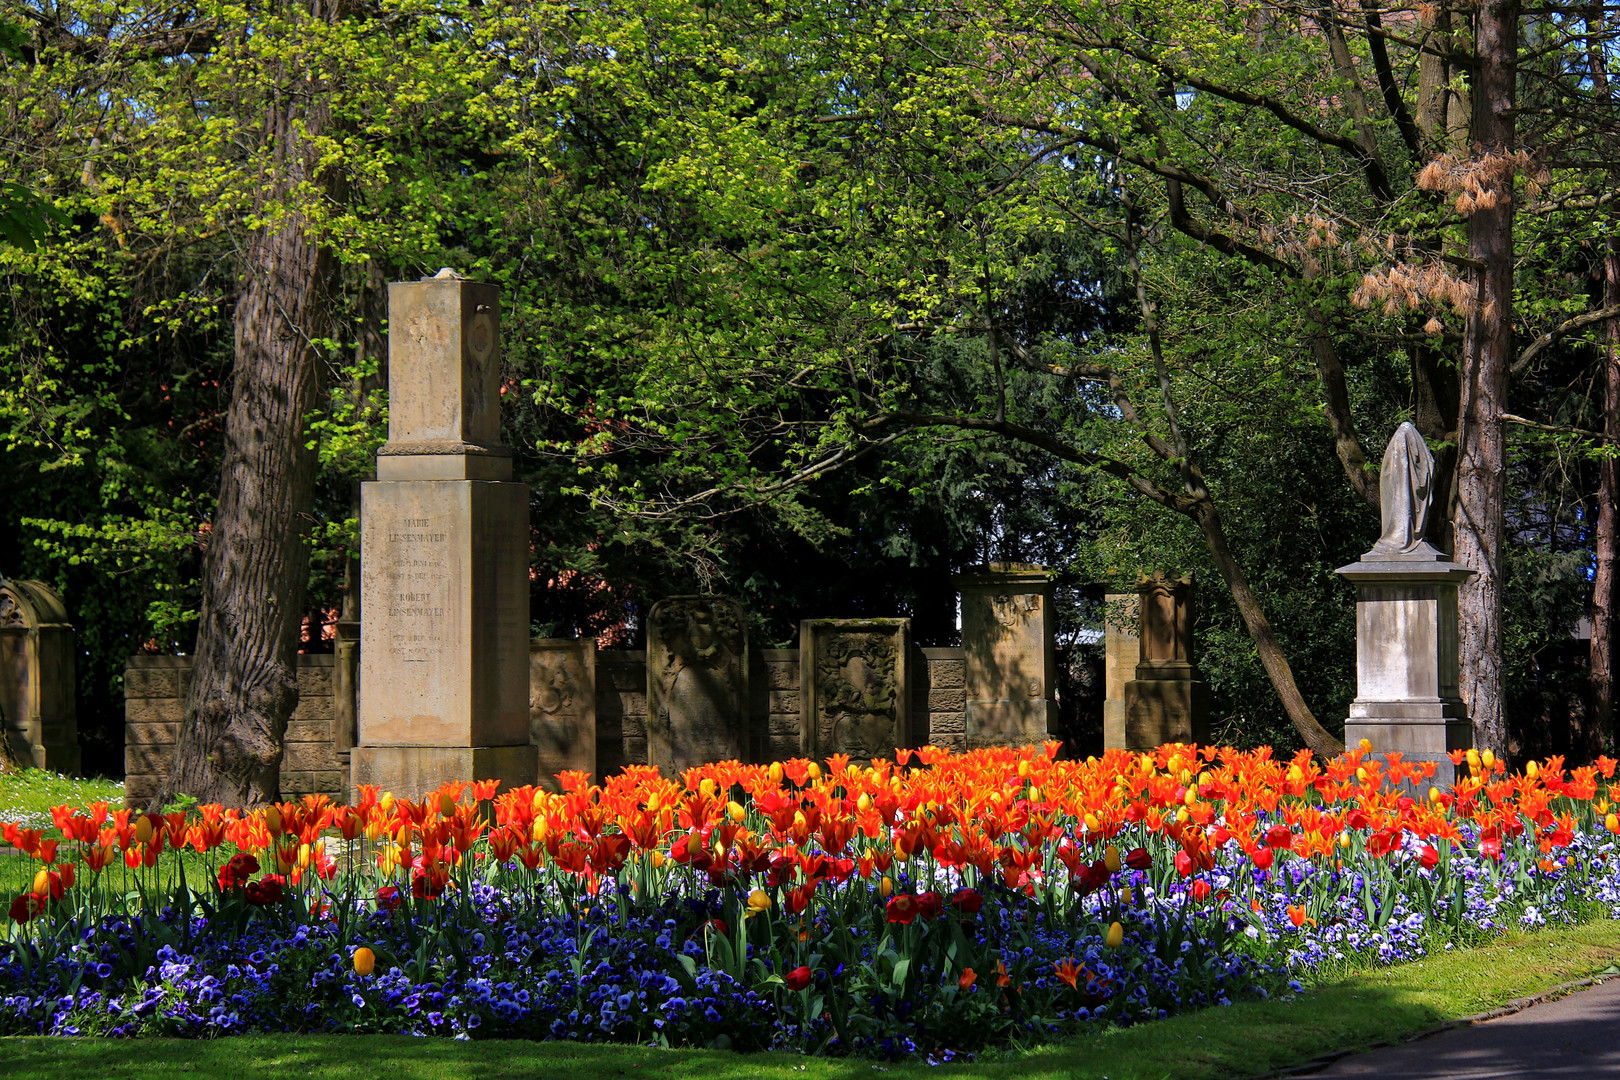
(1405,494)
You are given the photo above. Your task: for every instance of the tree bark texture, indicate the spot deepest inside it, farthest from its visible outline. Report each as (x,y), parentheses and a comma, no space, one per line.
(1478,522)
(1600,716)
(244,682)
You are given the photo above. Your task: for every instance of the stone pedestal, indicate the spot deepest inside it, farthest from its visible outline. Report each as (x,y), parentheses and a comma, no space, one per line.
(1122,651)
(1406,658)
(854,688)
(38,677)
(697,683)
(562,707)
(444,557)
(1011,658)
(1167,701)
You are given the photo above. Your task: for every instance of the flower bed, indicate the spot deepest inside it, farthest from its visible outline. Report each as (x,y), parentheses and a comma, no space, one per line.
(943,905)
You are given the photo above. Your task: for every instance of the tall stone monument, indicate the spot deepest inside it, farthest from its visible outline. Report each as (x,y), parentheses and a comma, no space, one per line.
(697,683)
(562,707)
(37,677)
(1010,654)
(1122,651)
(1167,701)
(854,687)
(1406,623)
(444,557)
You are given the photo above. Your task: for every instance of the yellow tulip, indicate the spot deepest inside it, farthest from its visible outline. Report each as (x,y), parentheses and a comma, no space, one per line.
(1182,815)
(776,772)
(42,883)
(736,811)
(1034,794)
(303,856)
(143,829)
(1111,859)
(707,787)
(1023,769)
(1092,824)
(272,821)
(447,805)
(1366,746)
(1192,796)
(1116,936)
(539,801)
(365,961)
(1434,795)
(759,900)
(1612,822)
(1126,896)
(864,803)
(1361,774)
(373,831)
(885,886)
(815,771)
(386,803)
(1488,759)
(658,860)
(1532,770)
(1344,840)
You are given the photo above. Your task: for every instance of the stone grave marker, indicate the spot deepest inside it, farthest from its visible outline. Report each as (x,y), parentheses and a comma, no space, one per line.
(1122,651)
(38,683)
(1407,697)
(854,687)
(444,557)
(1168,700)
(562,707)
(1007,641)
(697,683)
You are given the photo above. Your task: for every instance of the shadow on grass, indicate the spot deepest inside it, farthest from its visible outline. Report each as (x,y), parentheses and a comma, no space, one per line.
(1242,1040)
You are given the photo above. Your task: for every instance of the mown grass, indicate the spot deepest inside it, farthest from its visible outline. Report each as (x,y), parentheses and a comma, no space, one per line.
(1241,1040)
(26,798)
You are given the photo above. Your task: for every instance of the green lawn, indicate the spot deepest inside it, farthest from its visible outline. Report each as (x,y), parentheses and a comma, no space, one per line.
(1242,1040)
(26,798)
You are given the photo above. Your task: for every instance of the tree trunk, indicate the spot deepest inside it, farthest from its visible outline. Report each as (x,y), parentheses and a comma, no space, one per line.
(1272,657)
(1487,354)
(1600,715)
(244,677)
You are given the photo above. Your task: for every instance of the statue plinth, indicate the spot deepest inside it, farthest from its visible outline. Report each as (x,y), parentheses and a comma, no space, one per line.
(1407,699)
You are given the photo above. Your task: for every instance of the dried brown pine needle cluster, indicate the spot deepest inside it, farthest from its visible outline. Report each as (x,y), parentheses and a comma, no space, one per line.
(1413,287)
(1481,183)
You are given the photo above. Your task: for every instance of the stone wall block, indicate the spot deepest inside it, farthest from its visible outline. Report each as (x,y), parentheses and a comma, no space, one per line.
(314,707)
(784,702)
(151,758)
(309,731)
(163,734)
(308,757)
(951,699)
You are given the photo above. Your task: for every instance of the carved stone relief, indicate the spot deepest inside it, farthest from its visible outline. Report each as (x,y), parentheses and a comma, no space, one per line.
(697,682)
(854,687)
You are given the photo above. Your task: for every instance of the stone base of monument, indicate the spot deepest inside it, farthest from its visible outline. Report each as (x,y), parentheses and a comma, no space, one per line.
(1406,658)
(1166,703)
(413,771)
(1009,722)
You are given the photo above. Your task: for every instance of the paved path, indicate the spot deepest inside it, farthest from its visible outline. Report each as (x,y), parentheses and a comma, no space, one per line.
(1573,1038)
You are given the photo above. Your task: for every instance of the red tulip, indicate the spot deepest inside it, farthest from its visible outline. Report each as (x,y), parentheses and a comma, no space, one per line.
(967,901)
(901,909)
(1184,865)
(26,906)
(1428,856)
(1263,858)
(1280,836)
(265,891)
(930,905)
(798,978)
(1138,859)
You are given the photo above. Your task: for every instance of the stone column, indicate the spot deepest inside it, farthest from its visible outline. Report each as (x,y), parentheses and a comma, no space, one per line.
(444,557)
(1122,651)
(1406,658)
(1010,656)
(1167,701)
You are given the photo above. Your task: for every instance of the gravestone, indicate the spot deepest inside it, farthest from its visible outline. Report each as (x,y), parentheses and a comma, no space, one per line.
(1122,651)
(444,557)
(38,679)
(1407,698)
(562,707)
(1011,657)
(697,683)
(854,687)
(1167,700)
